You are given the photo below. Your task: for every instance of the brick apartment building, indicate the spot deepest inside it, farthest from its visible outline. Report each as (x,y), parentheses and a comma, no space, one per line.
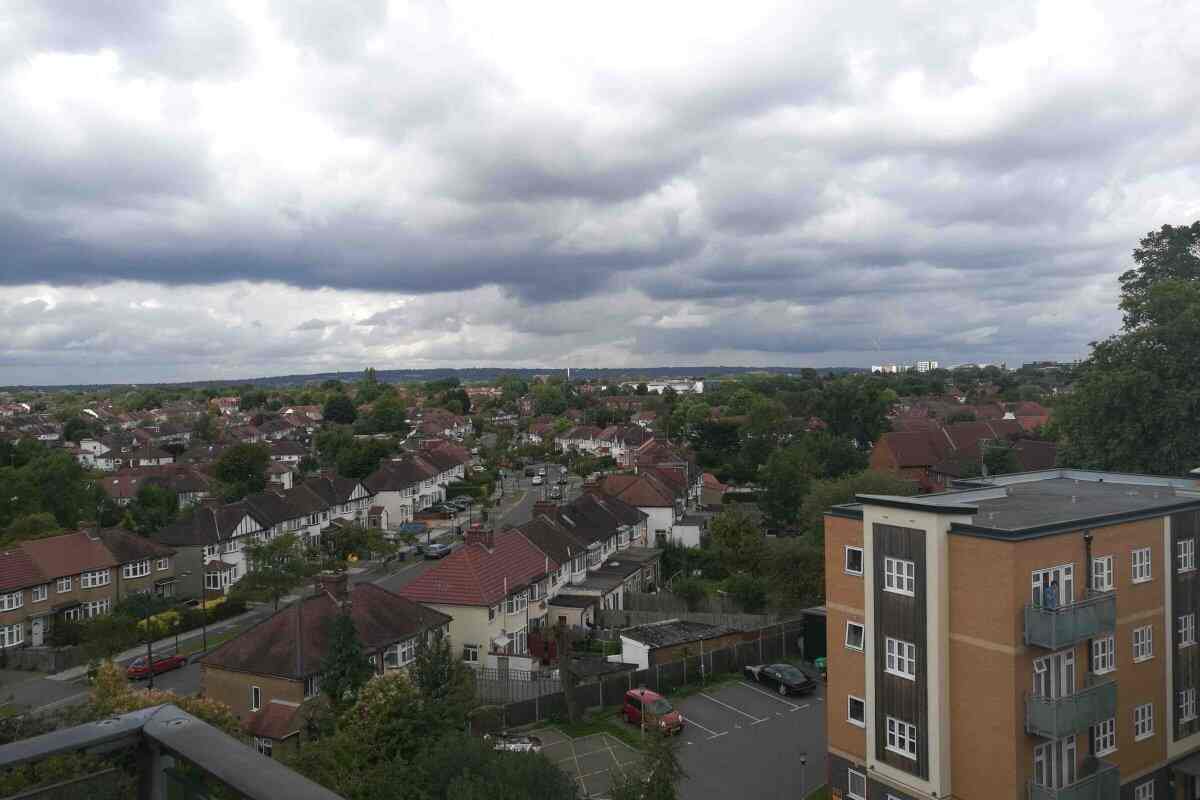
(1025,636)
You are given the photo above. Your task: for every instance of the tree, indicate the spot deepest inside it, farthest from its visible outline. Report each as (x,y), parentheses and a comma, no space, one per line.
(690,590)
(824,494)
(441,678)
(339,409)
(242,470)
(655,778)
(749,591)
(205,428)
(276,567)
(345,668)
(77,428)
(785,478)
(1168,254)
(855,408)
(344,541)
(362,457)
(308,465)
(154,508)
(738,542)
(252,399)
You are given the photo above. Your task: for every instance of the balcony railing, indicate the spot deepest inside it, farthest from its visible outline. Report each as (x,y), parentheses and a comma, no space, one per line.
(1055,718)
(1098,780)
(177,756)
(1066,625)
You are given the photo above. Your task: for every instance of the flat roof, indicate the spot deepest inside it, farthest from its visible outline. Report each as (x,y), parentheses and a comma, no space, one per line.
(1046,502)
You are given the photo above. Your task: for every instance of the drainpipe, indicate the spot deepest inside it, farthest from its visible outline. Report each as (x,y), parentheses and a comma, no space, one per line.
(1087,554)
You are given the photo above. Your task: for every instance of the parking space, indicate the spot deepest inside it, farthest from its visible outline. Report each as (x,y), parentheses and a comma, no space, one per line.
(590,760)
(743,740)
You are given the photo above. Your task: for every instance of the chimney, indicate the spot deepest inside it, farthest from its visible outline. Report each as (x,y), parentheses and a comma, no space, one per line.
(484,537)
(336,585)
(546,507)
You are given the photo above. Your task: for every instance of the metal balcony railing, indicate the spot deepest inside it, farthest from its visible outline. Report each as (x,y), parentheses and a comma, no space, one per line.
(177,755)
(1098,780)
(1057,717)
(1066,625)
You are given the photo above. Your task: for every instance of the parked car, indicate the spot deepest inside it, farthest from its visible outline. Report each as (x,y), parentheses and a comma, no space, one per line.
(556,493)
(537,480)
(651,709)
(786,678)
(459,503)
(542,472)
(513,743)
(138,669)
(437,550)
(479,468)
(563,480)
(530,472)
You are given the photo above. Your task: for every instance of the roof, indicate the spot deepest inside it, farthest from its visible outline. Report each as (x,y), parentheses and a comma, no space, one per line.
(276,720)
(292,642)
(675,631)
(126,546)
(69,554)
(475,576)
(207,524)
(641,491)
(18,570)
(567,600)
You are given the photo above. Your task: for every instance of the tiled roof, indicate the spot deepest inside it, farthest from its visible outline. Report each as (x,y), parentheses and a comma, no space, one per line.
(475,576)
(292,642)
(276,720)
(640,491)
(18,570)
(126,546)
(69,554)
(206,525)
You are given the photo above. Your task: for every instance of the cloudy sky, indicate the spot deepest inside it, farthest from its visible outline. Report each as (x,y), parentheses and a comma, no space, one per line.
(194,190)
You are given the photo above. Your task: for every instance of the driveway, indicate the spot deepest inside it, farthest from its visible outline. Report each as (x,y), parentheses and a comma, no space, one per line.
(590,760)
(741,740)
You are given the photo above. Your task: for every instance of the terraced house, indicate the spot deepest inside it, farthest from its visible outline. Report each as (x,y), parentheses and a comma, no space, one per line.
(415,481)
(1026,636)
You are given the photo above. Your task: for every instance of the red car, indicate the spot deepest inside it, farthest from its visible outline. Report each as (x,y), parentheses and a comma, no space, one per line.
(138,670)
(643,705)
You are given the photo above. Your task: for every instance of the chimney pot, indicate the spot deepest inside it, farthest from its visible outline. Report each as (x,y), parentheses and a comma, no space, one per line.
(336,584)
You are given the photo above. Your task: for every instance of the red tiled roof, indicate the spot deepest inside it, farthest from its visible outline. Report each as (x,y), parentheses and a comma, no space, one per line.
(475,576)
(640,491)
(18,571)
(69,554)
(276,720)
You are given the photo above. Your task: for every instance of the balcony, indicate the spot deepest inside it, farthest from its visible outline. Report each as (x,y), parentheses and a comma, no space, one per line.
(1098,780)
(1064,626)
(1054,718)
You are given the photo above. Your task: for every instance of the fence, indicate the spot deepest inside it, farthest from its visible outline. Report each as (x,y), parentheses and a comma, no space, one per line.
(664,605)
(764,645)
(501,686)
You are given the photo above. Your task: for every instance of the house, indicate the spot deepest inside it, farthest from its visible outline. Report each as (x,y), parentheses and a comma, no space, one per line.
(22,588)
(650,494)
(690,529)
(287,451)
(267,674)
(226,406)
(209,544)
(494,588)
(674,640)
(581,438)
(143,565)
(275,429)
(188,484)
(710,491)
(416,481)
(620,442)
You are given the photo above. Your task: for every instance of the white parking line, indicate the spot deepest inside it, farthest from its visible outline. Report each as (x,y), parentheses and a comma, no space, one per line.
(777,698)
(734,709)
(712,734)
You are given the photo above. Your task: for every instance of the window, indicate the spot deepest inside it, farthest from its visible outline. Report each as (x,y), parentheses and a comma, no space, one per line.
(901,658)
(212,580)
(162,564)
(1140,569)
(12,635)
(1102,574)
(1187,705)
(902,738)
(491,613)
(210,551)
(1185,555)
(40,593)
(1144,791)
(8,602)
(263,745)
(856,711)
(64,585)
(856,785)
(1143,721)
(255,698)
(312,686)
(96,608)
(91,580)
(854,560)
(136,569)
(1143,643)
(1187,629)
(1104,737)
(1103,655)
(899,576)
(854,636)
(471,653)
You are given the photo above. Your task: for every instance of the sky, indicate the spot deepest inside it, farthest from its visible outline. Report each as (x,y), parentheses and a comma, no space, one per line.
(192,190)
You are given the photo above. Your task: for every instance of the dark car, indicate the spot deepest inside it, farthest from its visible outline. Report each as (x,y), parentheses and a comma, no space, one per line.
(138,670)
(530,472)
(784,677)
(437,550)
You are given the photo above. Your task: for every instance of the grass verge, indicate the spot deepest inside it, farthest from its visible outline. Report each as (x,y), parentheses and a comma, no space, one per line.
(603,720)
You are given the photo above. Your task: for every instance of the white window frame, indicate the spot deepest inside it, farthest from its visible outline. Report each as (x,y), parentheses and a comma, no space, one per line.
(95,579)
(1187,630)
(12,601)
(1144,791)
(312,686)
(12,635)
(850,700)
(471,653)
(64,585)
(136,569)
(1140,569)
(902,738)
(846,560)
(1187,705)
(1143,721)
(901,658)
(1143,643)
(851,774)
(162,564)
(862,636)
(1103,573)
(899,576)
(1185,555)
(38,594)
(255,698)
(1104,655)
(1104,737)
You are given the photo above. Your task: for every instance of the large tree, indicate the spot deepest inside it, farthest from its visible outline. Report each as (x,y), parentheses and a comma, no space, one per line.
(345,669)
(276,567)
(242,470)
(1135,405)
(339,409)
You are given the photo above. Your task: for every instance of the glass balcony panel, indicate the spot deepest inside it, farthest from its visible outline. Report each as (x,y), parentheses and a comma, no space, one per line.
(1098,780)
(1055,718)
(1064,626)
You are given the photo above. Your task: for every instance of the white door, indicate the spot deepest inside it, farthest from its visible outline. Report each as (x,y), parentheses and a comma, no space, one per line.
(1064,574)
(1054,763)
(1054,675)
(38,631)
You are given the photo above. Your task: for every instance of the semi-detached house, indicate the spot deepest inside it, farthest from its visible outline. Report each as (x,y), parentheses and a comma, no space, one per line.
(416,481)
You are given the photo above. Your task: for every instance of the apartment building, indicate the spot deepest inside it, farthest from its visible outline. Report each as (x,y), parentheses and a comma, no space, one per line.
(1025,636)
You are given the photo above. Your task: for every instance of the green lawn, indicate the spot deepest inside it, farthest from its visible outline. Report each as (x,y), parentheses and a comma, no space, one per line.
(604,720)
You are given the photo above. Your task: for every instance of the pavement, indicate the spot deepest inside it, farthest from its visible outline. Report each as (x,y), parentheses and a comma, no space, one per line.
(590,760)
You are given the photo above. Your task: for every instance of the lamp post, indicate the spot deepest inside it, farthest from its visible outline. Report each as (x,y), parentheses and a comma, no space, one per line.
(149,639)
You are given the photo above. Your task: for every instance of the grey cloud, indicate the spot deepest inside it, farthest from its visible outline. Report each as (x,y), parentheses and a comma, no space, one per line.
(315,325)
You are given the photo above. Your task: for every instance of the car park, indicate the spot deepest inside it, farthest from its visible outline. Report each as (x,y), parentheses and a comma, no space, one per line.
(652,711)
(784,678)
(138,669)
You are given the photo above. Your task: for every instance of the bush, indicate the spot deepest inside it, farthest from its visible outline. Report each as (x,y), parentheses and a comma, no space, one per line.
(690,590)
(750,592)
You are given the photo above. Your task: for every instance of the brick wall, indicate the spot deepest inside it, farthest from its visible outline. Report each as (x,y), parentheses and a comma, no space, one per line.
(233,689)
